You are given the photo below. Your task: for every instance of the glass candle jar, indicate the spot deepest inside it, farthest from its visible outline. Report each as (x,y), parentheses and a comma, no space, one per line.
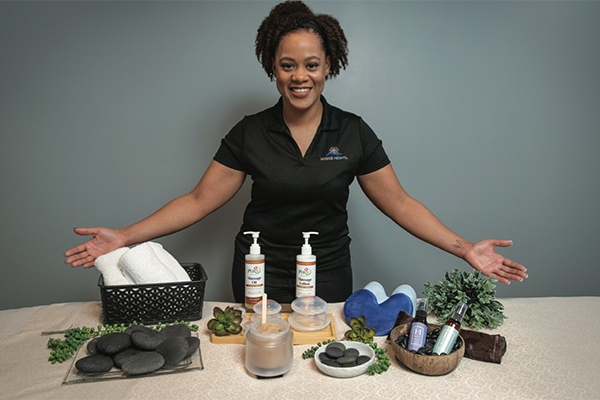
(269,354)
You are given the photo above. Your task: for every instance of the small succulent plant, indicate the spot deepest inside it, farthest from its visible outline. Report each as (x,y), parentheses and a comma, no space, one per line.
(225,322)
(359,331)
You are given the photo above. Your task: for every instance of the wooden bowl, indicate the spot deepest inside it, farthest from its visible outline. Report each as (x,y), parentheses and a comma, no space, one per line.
(426,365)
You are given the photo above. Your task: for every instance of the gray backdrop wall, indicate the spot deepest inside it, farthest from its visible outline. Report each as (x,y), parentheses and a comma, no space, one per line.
(488,110)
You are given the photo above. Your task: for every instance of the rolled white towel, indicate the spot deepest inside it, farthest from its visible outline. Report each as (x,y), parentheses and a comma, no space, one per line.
(170,262)
(109,267)
(142,264)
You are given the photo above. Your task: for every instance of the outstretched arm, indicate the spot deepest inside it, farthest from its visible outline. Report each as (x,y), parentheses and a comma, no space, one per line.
(384,190)
(218,185)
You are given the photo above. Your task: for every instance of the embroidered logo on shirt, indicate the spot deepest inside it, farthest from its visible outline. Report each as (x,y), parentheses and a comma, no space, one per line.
(334,151)
(334,154)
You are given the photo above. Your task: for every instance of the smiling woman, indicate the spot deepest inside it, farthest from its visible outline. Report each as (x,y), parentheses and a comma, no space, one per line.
(302,155)
(301,67)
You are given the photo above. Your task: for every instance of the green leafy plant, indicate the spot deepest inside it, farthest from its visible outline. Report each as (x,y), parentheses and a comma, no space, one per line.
(359,331)
(62,349)
(479,294)
(225,322)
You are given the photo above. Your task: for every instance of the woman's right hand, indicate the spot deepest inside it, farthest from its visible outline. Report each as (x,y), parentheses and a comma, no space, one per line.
(104,241)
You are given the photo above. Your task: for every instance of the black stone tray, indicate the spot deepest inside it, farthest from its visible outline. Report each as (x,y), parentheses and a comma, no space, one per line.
(191,363)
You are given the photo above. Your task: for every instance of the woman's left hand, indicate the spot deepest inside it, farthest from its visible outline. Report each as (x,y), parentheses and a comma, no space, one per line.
(482,256)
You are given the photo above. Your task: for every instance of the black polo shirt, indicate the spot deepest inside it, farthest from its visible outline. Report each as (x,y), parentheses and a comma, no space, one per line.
(292,194)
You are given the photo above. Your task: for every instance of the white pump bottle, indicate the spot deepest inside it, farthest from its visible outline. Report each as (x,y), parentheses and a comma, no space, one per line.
(255,273)
(306,269)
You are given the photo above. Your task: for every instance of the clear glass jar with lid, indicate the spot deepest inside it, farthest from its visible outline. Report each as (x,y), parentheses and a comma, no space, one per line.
(273,310)
(310,314)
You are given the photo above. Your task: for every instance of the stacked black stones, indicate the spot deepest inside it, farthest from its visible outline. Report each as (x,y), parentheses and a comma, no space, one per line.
(139,350)
(426,350)
(337,355)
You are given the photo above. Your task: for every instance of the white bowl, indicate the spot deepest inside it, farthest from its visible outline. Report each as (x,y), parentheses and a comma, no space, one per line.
(346,372)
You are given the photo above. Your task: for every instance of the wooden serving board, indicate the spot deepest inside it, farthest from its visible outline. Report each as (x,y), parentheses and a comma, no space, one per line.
(299,337)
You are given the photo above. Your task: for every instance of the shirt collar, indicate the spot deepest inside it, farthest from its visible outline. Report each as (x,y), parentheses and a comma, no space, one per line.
(277,124)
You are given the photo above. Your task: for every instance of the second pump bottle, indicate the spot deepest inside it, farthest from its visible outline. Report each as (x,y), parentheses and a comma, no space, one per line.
(306,269)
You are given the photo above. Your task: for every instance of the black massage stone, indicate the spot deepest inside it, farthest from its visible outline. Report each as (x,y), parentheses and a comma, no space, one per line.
(94,363)
(113,343)
(177,330)
(147,340)
(120,358)
(91,346)
(142,363)
(137,328)
(193,344)
(173,349)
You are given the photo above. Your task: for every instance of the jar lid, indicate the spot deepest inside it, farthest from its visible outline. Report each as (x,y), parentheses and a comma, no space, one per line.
(240,308)
(309,305)
(309,323)
(273,307)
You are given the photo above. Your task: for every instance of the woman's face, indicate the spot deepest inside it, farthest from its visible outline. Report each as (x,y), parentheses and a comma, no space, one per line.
(300,67)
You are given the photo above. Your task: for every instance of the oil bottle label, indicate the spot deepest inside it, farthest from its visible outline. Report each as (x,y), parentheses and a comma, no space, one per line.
(418,335)
(254,281)
(446,340)
(305,278)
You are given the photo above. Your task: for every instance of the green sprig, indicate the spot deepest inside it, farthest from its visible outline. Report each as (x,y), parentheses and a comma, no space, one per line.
(383,361)
(310,353)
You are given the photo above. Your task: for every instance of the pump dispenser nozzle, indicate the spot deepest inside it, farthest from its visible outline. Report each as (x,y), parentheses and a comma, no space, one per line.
(306,248)
(254,247)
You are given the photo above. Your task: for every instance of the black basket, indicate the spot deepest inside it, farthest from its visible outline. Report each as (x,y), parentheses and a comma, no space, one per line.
(150,304)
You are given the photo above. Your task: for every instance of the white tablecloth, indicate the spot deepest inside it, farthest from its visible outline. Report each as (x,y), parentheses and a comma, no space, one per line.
(553,353)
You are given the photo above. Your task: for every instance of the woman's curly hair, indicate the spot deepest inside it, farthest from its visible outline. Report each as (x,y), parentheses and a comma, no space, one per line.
(291,16)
